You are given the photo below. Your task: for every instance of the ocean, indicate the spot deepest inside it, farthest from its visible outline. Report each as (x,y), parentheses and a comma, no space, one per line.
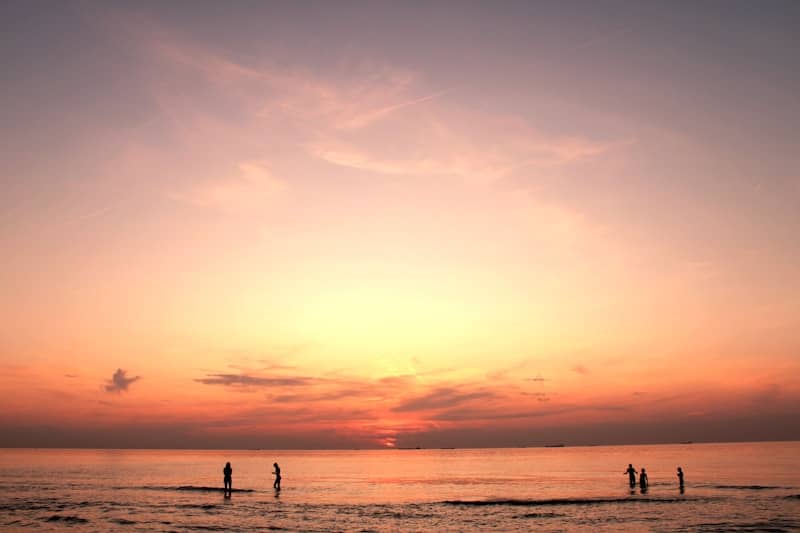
(729,487)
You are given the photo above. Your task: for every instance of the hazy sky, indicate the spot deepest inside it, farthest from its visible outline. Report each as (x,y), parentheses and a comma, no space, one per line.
(336,224)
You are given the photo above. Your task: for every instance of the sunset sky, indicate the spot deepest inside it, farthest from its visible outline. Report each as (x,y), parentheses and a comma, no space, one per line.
(370,224)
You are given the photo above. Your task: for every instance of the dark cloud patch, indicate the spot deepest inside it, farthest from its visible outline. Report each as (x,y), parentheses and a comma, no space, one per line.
(540,396)
(176,434)
(70,376)
(471,414)
(775,426)
(537,379)
(291,417)
(289,398)
(345,393)
(200,434)
(246,380)
(120,381)
(440,398)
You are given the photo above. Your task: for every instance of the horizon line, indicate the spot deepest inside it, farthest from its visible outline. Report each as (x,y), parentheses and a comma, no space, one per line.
(383,448)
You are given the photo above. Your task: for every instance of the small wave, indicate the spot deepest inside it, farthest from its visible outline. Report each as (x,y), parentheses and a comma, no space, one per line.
(539,515)
(793,497)
(206,489)
(204,506)
(26,506)
(184,487)
(408,513)
(123,521)
(745,487)
(561,501)
(777,525)
(68,518)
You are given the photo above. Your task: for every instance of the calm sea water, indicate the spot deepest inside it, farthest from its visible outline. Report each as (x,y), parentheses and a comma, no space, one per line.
(729,487)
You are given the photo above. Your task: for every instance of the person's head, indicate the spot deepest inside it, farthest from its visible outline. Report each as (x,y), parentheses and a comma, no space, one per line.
(679,469)
(642,469)
(630,465)
(274,464)
(228,464)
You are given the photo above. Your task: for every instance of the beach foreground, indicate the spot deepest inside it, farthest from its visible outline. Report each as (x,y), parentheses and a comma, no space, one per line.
(748,486)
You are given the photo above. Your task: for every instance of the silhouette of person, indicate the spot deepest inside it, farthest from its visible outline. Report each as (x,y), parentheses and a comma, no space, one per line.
(631,471)
(277,472)
(680,478)
(227,472)
(643,481)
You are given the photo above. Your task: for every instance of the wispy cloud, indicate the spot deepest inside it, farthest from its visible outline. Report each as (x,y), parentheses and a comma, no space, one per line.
(483,414)
(246,380)
(120,381)
(444,140)
(444,397)
(373,117)
(366,118)
(252,187)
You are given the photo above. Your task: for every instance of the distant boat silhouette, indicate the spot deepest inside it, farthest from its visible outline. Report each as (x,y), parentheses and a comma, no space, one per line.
(554,445)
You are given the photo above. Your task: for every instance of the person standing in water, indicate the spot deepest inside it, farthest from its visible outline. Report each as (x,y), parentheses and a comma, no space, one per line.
(227,472)
(643,481)
(631,471)
(277,472)
(680,479)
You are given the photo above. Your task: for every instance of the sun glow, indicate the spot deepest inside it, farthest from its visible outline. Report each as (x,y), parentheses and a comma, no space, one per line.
(348,238)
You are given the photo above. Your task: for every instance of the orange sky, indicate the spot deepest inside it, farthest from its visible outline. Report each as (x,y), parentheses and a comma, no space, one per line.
(353,226)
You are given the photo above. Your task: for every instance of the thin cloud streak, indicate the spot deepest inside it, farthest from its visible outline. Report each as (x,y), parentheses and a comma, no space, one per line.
(366,119)
(245,380)
(441,398)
